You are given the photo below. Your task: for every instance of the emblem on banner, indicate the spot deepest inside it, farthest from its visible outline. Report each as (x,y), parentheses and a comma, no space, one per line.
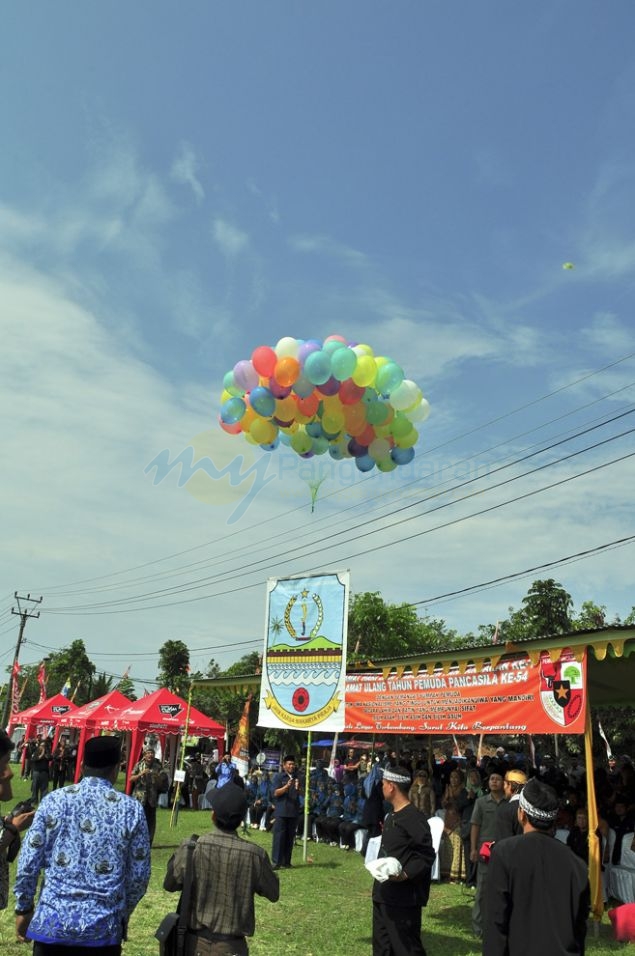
(561,689)
(303,665)
(170,710)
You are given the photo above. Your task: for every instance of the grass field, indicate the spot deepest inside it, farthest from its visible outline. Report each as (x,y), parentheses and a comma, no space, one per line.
(324,907)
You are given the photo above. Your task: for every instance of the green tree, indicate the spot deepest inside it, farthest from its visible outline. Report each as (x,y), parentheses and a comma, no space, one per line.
(590,616)
(174,664)
(377,629)
(127,688)
(102,685)
(71,663)
(547,607)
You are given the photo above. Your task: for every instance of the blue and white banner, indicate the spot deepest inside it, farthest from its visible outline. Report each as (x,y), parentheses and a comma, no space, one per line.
(304,660)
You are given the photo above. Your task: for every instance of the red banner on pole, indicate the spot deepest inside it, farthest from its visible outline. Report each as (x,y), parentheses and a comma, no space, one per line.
(513,697)
(15,688)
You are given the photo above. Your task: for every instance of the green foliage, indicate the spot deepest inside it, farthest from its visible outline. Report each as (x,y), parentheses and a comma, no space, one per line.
(126,687)
(102,685)
(546,611)
(174,664)
(590,616)
(377,629)
(547,608)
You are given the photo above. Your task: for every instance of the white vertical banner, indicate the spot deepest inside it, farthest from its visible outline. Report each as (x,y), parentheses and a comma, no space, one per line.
(304,659)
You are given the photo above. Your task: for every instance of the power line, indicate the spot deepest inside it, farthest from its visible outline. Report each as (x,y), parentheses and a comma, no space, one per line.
(231,572)
(96,609)
(465,434)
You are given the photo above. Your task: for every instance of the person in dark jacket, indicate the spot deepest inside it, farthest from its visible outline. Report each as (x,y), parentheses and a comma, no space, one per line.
(537,889)
(398,902)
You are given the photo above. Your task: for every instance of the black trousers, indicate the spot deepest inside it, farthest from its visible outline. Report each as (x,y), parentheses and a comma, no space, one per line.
(283,839)
(397,930)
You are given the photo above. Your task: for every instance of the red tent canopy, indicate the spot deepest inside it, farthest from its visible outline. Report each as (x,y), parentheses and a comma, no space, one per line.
(93,717)
(162,713)
(50,713)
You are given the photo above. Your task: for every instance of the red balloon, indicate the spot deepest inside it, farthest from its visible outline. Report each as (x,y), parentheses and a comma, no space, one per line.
(234,429)
(350,393)
(264,360)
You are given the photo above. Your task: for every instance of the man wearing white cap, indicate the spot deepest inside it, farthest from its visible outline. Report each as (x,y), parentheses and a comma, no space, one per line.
(398,901)
(538,890)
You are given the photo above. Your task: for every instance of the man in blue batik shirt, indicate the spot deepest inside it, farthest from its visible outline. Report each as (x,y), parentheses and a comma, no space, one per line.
(92,843)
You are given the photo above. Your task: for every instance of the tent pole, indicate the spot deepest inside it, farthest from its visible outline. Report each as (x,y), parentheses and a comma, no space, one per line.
(177,792)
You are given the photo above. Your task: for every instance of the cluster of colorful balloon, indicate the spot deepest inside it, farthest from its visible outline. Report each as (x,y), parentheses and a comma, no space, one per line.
(332,396)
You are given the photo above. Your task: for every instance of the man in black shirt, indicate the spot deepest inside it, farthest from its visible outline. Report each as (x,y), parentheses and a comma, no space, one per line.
(538,890)
(397,902)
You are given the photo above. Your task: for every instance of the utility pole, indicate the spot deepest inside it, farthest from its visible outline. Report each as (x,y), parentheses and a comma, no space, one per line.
(24,614)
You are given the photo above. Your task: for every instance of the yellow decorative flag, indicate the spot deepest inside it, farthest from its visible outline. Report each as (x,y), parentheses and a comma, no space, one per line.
(240,749)
(595,850)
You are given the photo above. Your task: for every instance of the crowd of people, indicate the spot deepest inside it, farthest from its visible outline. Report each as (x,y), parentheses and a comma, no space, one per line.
(95,843)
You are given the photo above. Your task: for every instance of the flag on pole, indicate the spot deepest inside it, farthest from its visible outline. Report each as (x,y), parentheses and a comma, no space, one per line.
(609,752)
(74,694)
(456,745)
(240,749)
(331,767)
(496,633)
(66,689)
(15,688)
(41,679)
(595,850)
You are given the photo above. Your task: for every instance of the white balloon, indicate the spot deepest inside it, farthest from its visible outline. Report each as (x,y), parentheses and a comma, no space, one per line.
(419,413)
(287,347)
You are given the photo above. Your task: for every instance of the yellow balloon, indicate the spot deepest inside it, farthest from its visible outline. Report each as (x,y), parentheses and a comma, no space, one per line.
(365,371)
(408,440)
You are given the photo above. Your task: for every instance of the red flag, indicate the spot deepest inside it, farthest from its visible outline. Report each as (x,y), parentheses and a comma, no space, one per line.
(41,679)
(15,689)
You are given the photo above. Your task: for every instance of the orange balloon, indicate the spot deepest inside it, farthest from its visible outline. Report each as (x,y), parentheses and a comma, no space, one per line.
(287,371)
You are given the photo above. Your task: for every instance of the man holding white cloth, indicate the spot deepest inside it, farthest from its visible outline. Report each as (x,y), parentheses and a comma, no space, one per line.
(398,901)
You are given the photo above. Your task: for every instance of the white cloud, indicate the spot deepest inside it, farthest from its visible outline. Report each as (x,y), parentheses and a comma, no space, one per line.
(185,168)
(229,239)
(271,204)
(607,334)
(326,246)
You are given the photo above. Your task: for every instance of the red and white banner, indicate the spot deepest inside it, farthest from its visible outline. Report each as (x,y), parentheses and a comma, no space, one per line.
(15,688)
(513,697)
(41,679)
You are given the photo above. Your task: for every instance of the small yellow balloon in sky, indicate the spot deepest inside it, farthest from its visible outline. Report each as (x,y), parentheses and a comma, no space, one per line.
(568,265)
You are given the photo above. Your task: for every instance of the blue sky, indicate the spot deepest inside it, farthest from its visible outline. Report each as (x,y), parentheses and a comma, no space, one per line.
(180,184)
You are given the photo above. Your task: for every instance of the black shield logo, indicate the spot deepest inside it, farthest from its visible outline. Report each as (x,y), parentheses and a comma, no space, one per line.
(562,692)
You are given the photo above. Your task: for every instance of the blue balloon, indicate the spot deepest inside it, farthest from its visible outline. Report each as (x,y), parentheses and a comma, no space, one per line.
(262,401)
(314,429)
(402,456)
(364,463)
(272,445)
(232,411)
(303,387)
